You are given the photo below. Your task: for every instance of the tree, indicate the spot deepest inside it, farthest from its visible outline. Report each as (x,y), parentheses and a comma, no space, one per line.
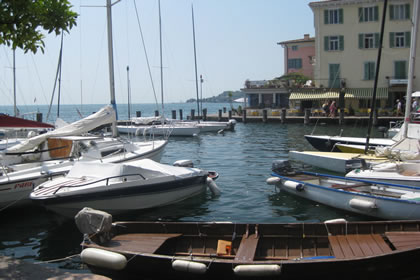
(22,22)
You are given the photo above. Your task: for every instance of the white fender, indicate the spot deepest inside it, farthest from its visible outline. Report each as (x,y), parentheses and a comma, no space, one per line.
(335,221)
(102,258)
(212,186)
(257,270)
(362,204)
(189,266)
(273,180)
(293,185)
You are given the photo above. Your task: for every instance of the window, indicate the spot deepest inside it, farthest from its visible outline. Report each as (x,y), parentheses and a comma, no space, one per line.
(369,70)
(334,43)
(399,39)
(333,16)
(400,69)
(295,63)
(399,12)
(369,41)
(294,48)
(334,76)
(368,14)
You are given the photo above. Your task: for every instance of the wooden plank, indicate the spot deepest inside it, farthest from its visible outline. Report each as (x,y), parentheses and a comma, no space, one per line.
(140,243)
(376,250)
(381,243)
(335,246)
(404,240)
(345,246)
(364,245)
(354,245)
(247,248)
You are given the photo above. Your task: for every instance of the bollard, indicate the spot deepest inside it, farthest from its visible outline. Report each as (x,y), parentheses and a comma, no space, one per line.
(341,120)
(224,109)
(244,116)
(283,116)
(138,114)
(39,117)
(156,113)
(230,114)
(204,114)
(180,114)
(192,114)
(307,114)
(264,116)
(174,114)
(220,116)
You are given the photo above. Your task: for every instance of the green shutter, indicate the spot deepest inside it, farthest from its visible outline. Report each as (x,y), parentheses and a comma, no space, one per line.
(326,17)
(360,14)
(391,12)
(407,40)
(341,15)
(376,40)
(361,41)
(366,71)
(407,11)
(326,43)
(341,43)
(372,70)
(376,13)
(391,39)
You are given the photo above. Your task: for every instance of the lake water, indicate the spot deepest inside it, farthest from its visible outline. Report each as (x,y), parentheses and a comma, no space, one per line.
(243,160)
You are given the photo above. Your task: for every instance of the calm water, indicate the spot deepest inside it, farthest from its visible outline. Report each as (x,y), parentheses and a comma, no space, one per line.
(242,158)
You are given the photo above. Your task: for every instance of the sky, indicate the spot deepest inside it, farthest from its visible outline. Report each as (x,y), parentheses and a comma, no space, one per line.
(235,40)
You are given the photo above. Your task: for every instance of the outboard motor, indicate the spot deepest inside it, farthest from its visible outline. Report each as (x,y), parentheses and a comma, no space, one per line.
(90,221)
(283,167)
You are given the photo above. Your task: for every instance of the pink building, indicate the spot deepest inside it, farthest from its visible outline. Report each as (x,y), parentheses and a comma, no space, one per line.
(299,55)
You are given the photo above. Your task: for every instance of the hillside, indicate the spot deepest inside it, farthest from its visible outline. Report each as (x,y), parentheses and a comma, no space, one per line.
(221,98)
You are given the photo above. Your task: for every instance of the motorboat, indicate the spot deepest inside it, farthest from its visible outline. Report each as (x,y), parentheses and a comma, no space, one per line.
(326,143)
(230,250)
(117,188)
(366,197)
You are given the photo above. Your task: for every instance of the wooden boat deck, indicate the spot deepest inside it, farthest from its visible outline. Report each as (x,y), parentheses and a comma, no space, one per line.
(404,240)
(141,242)
(358,245)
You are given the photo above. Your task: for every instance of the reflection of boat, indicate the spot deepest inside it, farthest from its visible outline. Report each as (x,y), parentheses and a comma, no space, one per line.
(118,188)
(367,197)
(224,250)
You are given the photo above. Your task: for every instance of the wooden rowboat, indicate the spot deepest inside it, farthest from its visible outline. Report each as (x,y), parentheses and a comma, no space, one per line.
(213,250)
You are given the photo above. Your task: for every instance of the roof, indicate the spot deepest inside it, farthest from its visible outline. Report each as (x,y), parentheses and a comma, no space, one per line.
(310,39)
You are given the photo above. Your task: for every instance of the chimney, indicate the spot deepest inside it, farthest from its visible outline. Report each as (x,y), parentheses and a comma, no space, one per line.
(306,36)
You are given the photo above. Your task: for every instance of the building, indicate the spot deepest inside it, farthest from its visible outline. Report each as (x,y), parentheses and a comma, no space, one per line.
(347,37)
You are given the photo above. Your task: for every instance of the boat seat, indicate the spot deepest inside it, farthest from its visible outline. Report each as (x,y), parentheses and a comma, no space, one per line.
(140,242)
(404,240)
(247,248)
(358,245)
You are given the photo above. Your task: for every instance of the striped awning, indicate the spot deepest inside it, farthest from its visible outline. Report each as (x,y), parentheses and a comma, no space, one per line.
(357,93)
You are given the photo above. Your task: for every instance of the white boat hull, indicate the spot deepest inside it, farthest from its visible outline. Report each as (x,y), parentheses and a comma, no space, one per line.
(161,130)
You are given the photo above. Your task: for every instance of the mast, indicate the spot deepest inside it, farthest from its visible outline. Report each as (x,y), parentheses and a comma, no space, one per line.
(161,62)
(195,62)
(411,64)
(111,64)
(14,82)
(59,77)
(128,92)
(378,62)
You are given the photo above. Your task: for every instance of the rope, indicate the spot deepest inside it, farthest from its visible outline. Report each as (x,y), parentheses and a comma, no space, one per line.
(58,260)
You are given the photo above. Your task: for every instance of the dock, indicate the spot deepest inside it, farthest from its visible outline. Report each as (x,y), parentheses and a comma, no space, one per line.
(11,268)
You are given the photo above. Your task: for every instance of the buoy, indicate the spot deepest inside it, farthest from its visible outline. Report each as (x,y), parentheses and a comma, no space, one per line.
(273,180)
(102,258)
(212,186)
(189,266)
(361,204)
(293,185)
(257,270)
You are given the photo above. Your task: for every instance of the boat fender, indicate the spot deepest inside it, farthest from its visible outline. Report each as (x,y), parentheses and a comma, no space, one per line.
(189,266)
(212,186)
(183,163)
(257,270)
(362,204)
(273,180)
(294,185)
(335,221)
(104,259)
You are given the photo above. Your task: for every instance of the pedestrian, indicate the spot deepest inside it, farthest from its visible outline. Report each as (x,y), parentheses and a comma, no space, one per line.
(333,108)
(326,108)
(399,106)
(414,105)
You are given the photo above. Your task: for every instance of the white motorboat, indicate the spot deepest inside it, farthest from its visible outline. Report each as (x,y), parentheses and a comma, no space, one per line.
(403,173)
(17,181)
(366,197)
(117,188)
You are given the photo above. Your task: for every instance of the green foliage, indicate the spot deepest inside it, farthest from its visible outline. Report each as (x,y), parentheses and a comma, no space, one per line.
(22,22)
(299,78)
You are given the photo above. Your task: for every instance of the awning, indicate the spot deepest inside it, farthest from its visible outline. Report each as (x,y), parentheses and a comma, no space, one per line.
(357,93)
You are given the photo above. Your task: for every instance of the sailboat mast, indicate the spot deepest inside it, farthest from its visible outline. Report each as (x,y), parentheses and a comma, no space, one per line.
(378,62)
(411,64)
(161,62)
(195,62)
(59,77)
(14,82)
(111,64)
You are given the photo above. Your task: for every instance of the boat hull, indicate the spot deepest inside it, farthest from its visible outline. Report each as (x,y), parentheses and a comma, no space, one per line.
(325,143)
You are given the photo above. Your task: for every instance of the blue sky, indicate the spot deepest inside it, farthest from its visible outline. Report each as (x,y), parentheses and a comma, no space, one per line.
(235,40)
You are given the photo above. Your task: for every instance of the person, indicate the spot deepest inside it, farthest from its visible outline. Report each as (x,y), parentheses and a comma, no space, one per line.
(333,108)
(326,108)
(414,105)
(399,105)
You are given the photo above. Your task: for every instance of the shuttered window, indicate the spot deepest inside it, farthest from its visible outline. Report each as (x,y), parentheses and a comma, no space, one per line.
(400,69)
(369,70)
(333,16)
(367,14)
(334,43)
(399,12)
(399,39)
(369,41)
(294,63)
